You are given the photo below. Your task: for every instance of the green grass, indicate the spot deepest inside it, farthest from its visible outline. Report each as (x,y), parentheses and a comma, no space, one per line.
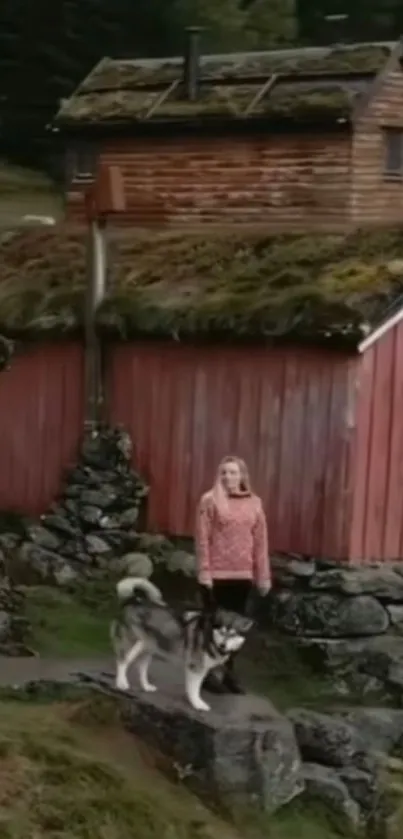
(68,771)
(65,626)
(25,191)
(271,667)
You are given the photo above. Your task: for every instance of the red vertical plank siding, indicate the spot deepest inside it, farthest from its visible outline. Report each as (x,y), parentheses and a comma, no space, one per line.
(42,414)
(377,531)
(393,530)
(379,448)
(365,380)
(284,410)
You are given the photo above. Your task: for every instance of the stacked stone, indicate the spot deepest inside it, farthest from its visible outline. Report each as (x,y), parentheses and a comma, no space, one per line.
(93,523)
(14,627)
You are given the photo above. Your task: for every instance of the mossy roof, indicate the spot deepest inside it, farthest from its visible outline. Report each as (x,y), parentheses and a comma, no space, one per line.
(151,89)
(207,285)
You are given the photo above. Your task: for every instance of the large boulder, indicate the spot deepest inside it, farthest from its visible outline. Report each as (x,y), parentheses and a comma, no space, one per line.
(328,615)
(240,752)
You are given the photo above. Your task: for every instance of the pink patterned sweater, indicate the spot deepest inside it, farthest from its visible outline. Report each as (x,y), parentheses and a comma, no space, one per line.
(232,544)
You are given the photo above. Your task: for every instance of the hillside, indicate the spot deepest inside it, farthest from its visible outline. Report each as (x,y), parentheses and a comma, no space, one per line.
(67,771)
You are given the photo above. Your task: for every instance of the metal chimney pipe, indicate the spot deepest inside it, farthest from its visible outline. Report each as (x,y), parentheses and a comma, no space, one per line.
(191,74)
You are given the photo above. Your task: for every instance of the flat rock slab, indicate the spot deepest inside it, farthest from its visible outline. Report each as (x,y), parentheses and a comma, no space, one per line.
(241,751)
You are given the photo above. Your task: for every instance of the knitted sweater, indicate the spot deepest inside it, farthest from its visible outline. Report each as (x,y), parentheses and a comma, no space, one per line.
(232,544)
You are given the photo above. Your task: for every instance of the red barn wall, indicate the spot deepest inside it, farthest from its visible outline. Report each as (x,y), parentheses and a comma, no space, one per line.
(288,413)
(377,520)
(286,182)
(41,424)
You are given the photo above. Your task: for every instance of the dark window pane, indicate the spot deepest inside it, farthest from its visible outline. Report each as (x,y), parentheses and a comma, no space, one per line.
(393,152)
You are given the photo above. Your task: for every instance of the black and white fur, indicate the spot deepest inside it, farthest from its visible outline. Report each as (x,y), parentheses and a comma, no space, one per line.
(146,625)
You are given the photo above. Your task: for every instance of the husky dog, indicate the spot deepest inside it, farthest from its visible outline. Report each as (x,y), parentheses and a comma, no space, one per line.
(146,625)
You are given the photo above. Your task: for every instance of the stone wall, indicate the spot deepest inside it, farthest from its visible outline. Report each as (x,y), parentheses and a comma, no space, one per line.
(345,620)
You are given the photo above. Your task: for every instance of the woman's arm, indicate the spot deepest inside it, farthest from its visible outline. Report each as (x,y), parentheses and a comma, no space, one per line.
(204,522)
(261,552)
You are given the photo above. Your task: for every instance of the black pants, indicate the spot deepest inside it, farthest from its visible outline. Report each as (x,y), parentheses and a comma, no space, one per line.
(236,596)
(233,595)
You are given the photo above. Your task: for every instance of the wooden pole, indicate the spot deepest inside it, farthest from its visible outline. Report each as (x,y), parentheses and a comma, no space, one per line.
(96,288)
(105,196)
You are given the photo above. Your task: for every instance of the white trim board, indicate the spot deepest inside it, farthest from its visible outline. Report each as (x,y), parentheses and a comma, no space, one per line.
(380,331)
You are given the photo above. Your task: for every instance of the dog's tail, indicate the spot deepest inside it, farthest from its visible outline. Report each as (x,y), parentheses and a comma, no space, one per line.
(129,586)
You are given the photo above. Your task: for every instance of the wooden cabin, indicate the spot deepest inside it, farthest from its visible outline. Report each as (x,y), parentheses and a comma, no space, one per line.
(290,140)
(285,349)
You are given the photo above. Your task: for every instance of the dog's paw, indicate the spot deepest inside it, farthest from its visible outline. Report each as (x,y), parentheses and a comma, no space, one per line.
(149,688)
(201,706)
(122,684)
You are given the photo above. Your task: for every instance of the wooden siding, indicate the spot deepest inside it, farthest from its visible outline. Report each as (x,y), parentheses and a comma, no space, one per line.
(375,198)
(285,182)
(41,422)
(289,414)
(377,514)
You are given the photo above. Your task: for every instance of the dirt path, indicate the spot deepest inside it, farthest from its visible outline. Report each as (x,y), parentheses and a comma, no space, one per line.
(15,672)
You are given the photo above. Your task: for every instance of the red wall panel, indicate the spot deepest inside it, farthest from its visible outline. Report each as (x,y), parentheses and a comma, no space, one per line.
(41,424)
(288,412)
(377,520)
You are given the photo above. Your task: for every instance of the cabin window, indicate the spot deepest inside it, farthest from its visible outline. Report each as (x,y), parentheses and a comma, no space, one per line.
(82,163)
(393,140)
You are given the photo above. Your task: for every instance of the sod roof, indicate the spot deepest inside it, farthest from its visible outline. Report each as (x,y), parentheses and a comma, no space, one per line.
(239,85)
(195,286)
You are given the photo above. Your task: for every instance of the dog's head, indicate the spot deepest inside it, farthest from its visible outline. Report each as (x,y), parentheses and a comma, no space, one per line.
(229,632)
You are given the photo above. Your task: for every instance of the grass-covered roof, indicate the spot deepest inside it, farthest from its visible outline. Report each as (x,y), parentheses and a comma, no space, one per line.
(207,285)
(152,89)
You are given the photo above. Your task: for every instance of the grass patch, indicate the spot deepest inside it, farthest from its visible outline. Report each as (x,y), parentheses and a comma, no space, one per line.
(16,179)
(26,191)
(69,625)
(271,667)
(70,772)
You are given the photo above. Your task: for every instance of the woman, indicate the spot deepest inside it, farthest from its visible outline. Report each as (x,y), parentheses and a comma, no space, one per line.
(231,549)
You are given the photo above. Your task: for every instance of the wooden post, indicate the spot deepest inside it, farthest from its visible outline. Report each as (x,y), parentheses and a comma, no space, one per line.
(96,288)
(104,197)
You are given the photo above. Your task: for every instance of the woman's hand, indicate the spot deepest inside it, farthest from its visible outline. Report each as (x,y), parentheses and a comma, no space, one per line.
(206,582)
(264,588)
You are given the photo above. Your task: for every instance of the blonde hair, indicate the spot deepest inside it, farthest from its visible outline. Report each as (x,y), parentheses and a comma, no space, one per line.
(217,493)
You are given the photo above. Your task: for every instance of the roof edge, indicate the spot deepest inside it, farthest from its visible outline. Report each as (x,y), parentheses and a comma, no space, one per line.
(380,331)
(378,81)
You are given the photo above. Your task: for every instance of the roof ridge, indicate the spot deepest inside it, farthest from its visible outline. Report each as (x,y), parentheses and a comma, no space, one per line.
(313,52)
